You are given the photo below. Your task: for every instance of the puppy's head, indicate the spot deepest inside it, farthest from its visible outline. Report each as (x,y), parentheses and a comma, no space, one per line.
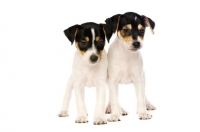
(130,29)
(89,39)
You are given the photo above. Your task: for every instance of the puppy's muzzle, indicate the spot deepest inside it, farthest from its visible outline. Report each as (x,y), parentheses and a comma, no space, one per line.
(93,58)
(136,45)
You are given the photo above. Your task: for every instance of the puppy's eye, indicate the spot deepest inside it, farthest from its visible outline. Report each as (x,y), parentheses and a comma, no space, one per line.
(141,31)
(100,42)
(83,43)
(125,31)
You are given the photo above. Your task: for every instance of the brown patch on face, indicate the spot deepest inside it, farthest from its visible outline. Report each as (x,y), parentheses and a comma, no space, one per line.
(140,26)
(100,53)
(126,38)
(141,37)
(97,38)
(81,52)
(87,39)
(129,26)
(76,44)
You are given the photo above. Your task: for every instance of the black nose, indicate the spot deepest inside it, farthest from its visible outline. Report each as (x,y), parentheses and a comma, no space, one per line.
(136,44)
(93,58)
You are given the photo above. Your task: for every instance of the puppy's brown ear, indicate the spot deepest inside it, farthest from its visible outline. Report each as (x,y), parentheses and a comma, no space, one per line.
(113,22)
(149,23)
(71,32)
(108,31)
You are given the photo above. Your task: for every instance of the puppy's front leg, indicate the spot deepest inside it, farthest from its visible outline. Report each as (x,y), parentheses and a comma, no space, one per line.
(140,94)
(67,97)
(99,115)
(113,74)
(81,109)
(113,98)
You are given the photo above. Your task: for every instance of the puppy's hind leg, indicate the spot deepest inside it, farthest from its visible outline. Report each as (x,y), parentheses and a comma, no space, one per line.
(67,97)
(124,113)
(108,110)
(149,105)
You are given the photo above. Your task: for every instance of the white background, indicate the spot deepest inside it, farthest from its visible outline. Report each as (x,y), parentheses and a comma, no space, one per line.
(36,60)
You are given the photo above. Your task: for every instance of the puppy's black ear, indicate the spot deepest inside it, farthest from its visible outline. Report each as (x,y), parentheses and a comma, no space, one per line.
(149,23)
(113,22)
(71,32)
(108,31)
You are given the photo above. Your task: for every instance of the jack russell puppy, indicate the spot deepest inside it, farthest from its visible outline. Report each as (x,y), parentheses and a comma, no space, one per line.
(89,69)
(125,64)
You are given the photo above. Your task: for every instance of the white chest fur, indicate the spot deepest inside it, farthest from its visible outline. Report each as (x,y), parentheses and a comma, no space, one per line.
(125,64)
(86,73)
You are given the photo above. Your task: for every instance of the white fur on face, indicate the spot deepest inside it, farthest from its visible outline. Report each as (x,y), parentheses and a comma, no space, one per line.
(129,45)
(91,50)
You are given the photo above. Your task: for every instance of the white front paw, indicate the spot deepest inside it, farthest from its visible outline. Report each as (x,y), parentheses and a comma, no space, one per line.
(114,117)
(99,120)
(144,115)
(81,119)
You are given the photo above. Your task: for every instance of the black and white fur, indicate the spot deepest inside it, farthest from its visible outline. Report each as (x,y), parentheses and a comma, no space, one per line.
(125,65)
(89,69)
